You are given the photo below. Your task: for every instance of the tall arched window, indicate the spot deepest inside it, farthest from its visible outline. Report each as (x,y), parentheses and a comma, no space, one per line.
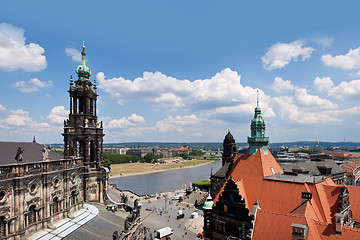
(2,227)
(56,207)
(32,215)
(73,198)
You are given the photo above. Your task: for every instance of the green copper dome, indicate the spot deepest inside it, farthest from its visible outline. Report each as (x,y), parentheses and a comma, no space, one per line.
(209,203)
(82,70)
(257,138)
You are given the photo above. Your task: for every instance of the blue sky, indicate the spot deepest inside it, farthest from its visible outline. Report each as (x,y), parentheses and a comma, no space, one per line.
(183,71)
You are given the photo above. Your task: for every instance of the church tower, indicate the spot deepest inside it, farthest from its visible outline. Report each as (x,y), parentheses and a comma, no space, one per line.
(257,138)
(83,133)
(229,148)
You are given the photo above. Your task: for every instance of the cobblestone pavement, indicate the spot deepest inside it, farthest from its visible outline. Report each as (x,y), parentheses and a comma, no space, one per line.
(157,214)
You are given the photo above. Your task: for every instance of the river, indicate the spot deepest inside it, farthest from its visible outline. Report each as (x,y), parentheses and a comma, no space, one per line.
(167,181)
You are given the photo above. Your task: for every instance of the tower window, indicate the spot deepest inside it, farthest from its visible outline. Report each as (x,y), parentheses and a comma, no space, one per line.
(32,215)
(2,227)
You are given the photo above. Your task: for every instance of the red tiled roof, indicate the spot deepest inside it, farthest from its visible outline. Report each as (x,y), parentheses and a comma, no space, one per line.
(349,168)
(274,225)
(281,204)
(354,197)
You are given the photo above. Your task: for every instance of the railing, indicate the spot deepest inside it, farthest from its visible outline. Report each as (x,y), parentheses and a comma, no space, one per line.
(18,170)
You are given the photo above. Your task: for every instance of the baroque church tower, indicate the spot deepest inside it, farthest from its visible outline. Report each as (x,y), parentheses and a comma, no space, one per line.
(83,133)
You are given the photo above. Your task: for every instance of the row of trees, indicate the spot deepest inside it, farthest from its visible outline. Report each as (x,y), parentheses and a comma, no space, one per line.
(114,158)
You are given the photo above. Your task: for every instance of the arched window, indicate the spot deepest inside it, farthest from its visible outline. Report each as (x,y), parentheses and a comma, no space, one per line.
(73,198)
(2,227)
(32,215)
(56,207)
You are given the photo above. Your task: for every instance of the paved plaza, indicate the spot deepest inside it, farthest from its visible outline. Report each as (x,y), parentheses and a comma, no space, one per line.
(94,222)
(156,214)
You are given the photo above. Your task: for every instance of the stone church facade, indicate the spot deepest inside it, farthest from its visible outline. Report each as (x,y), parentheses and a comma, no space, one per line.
(39,187)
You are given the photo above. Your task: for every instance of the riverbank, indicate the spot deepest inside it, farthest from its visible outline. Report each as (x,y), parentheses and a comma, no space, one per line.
(131,169)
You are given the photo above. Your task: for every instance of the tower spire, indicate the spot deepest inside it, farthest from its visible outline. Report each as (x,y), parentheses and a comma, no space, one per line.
(83,70)
(257,98)
(257,138)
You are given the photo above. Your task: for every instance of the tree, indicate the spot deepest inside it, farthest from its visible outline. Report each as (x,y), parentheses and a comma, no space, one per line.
(184,155)
(196,152)
(149,157)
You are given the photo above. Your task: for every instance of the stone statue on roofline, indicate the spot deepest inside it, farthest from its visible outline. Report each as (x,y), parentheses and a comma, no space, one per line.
(45,153)
(18,156)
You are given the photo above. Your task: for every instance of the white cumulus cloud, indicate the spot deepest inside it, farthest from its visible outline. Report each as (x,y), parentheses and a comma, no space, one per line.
(222,90)
(323,84)
(312,101)
(2,108)
(346,90)
(74,54)
(168,100)
(288,109)
(281,54)
(18,118)
(350,60)
(32,85)
(58,114)
(15,54)
(281,85)
(120,123)
(178,123)
(124,122)
(136,118)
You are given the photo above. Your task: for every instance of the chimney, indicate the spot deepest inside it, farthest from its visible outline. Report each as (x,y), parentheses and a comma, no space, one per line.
(338,222)
(306,196)
(299,231)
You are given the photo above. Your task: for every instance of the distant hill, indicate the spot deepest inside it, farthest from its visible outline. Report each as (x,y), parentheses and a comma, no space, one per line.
(216,145)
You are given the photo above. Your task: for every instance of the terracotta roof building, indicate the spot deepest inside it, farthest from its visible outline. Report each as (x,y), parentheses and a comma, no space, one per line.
(259,201)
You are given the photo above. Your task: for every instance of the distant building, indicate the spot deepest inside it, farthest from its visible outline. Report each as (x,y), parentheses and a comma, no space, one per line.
(318,149)
(259,201)
(121,151)
(318,165)
(352,173)
(140,152)
(184,149)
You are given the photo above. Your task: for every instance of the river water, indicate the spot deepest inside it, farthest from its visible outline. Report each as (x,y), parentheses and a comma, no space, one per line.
(166,181)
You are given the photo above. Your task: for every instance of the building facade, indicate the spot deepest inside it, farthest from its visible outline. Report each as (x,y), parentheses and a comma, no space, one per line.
(38,186)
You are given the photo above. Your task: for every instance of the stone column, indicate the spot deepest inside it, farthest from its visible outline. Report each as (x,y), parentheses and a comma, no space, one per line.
(86,150)
(75,105)
(87,107)
(95,107)
(71,110)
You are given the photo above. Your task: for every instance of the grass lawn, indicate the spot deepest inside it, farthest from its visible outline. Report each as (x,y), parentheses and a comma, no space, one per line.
(126,169)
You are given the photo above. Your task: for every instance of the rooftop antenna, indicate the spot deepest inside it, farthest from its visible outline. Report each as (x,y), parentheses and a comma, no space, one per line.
(257,98)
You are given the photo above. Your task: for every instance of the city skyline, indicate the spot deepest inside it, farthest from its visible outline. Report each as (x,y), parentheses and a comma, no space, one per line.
(184,71)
